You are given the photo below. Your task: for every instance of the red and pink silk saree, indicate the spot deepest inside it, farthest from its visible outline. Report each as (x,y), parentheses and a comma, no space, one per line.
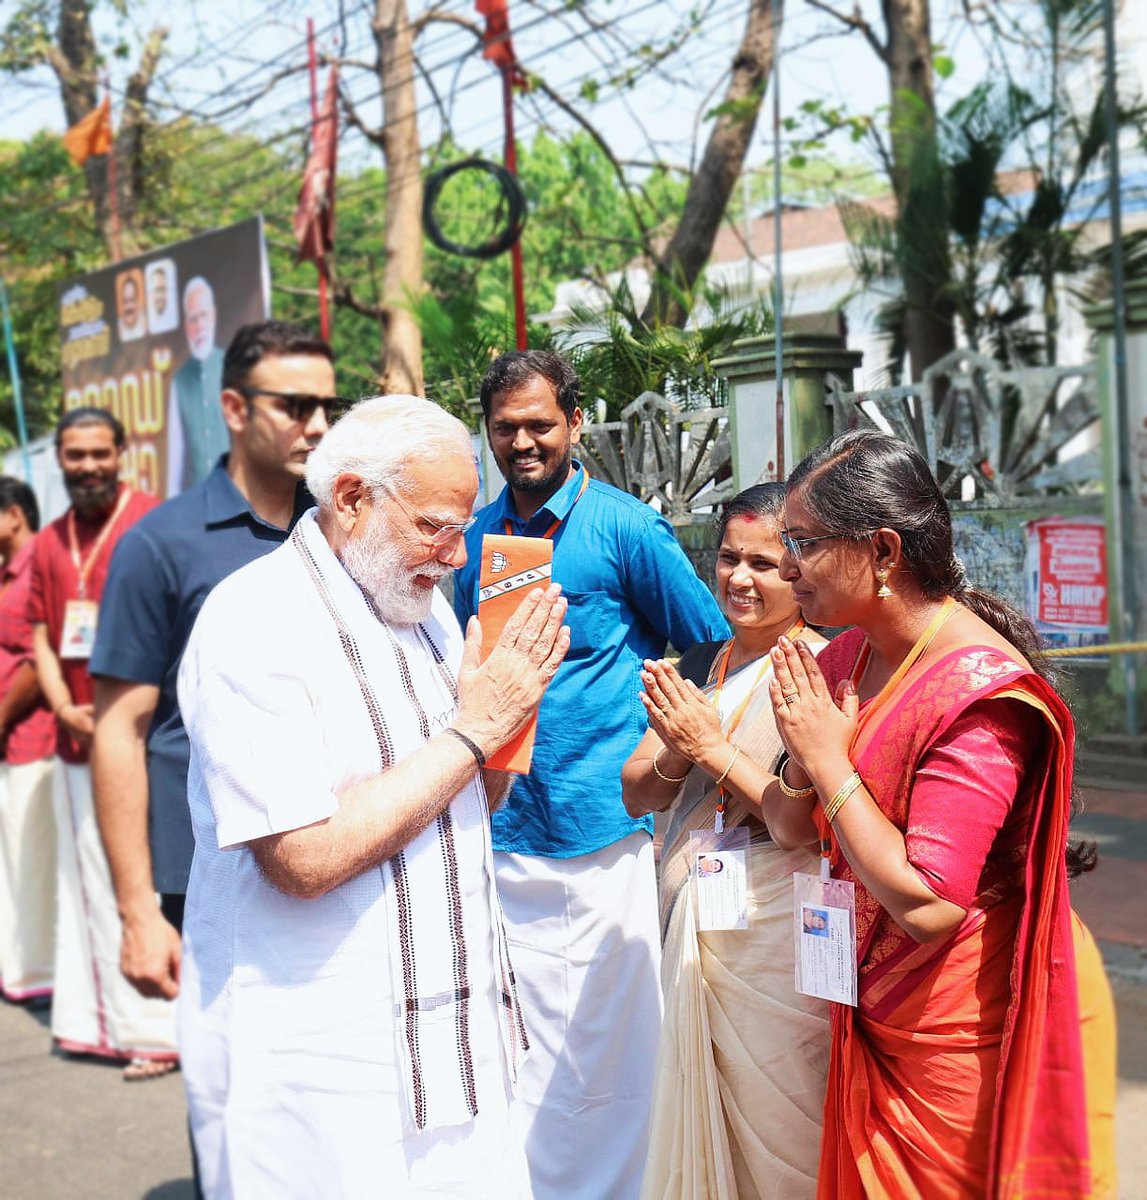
(960,1073)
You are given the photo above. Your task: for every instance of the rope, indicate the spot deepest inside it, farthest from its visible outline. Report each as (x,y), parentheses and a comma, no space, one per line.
(1086,651)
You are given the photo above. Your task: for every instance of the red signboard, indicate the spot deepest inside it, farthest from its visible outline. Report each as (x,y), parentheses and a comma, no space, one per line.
(1068,559)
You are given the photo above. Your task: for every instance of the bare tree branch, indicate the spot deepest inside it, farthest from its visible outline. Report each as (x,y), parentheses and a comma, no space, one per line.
(855,20)
(372,135)
(626,186)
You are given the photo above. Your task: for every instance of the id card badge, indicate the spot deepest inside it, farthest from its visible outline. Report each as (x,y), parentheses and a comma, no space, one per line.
(720,871)
(824,924)
(79,635)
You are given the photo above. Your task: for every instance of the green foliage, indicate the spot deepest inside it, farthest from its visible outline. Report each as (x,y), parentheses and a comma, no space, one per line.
(26,36)
(618,357)
(944,65)
(200,178)
(580,225)
(744,108)
(48,235)
(1010,247)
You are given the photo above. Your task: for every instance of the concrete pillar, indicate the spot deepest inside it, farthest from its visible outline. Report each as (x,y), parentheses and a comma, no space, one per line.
(1134,434)
(490,481)
(808,358)
(1100,318)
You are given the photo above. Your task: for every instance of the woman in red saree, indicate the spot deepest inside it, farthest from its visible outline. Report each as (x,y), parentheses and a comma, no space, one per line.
(936,763)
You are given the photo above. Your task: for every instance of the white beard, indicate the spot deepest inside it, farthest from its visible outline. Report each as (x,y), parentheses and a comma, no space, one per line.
(375,561)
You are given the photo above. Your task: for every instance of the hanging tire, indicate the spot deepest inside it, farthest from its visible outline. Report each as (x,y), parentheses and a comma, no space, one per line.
(513,199)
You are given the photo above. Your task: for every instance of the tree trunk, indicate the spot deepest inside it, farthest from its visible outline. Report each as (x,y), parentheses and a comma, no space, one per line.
(919,184)
(402,276)
(712,184)
(75,60)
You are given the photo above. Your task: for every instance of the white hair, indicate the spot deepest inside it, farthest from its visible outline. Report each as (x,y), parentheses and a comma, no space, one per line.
(193,284)
(378,438)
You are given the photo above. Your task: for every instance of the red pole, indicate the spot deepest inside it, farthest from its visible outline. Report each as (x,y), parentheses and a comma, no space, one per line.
(511,161)
(324,313)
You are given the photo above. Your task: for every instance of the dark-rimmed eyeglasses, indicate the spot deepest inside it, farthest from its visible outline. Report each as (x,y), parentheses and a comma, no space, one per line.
(302,407)
(795,545)
(440,535)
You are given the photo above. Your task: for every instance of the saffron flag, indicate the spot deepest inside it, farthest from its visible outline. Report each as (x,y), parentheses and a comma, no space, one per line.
(315,214)
(496,44)
(511,566)
(91,135)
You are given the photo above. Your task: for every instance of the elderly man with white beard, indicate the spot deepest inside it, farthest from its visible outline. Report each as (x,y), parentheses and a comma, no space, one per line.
(349,1023)
(196,433)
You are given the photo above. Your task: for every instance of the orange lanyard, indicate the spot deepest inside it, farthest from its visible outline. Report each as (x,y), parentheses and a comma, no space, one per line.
(828,846)
(549,533)
(735,720)
(84,565)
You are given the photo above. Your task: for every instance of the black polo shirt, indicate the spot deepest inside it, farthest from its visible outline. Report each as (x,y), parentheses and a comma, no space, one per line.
(160,574)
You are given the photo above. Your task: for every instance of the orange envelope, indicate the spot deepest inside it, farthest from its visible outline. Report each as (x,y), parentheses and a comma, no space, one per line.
(511,566)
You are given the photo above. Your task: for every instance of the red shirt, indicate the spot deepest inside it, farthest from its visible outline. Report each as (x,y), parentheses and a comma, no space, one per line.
(34,734)
(55,581)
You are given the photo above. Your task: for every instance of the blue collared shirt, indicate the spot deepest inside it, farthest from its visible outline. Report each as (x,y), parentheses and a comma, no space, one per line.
(161,572)
(630,590)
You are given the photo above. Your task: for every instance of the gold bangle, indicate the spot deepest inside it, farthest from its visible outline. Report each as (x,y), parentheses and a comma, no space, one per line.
(792,792)
(842,793)
(661,774)
(721,778)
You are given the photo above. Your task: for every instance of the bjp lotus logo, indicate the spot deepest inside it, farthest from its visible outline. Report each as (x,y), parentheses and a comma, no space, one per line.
(499,563)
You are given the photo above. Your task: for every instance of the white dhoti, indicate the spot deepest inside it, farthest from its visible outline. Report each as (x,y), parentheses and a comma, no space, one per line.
(27,880)
(94,1008)
(586,947)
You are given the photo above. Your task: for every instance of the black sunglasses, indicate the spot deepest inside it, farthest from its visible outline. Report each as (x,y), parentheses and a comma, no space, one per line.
(301,407)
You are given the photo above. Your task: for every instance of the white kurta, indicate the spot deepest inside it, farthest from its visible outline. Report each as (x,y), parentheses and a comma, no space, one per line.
(296,1062)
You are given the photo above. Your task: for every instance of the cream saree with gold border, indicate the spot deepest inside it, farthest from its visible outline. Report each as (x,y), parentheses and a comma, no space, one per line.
(741,1067)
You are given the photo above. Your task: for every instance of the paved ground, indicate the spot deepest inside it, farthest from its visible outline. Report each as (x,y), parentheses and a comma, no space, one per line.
(74,1130)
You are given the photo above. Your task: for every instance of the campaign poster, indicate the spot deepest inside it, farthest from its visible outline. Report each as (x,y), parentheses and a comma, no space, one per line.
(146,337)
(1066,575)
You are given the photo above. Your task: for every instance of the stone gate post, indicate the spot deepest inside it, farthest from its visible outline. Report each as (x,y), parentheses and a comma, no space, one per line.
(751,372)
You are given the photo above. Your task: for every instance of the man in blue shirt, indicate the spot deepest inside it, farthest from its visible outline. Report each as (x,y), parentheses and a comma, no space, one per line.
(278,394)
(575,872)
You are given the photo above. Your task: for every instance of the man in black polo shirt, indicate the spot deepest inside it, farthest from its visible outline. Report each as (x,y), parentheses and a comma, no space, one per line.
(278,396)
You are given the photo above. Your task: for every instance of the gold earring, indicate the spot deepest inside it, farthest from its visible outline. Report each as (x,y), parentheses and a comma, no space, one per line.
(883,591)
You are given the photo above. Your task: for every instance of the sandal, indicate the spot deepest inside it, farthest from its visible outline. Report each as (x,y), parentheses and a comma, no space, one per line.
(140,1069)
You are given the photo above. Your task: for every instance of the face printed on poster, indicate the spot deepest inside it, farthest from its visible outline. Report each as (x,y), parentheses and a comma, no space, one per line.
(146,338)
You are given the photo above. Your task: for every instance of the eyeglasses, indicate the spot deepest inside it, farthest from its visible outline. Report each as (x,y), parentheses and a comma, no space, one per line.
(795,545)
(301,407)
(442,536)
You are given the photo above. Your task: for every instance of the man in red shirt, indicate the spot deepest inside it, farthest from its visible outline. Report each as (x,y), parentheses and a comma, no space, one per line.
(27,746)
(94,1009)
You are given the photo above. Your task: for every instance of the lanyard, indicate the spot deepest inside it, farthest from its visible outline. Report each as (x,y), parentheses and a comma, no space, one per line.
(735,720)
(947,609)
(84,566)
(828,848)
(549,533)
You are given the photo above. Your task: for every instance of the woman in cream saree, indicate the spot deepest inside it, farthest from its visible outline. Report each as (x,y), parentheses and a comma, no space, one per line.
(743,1057)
